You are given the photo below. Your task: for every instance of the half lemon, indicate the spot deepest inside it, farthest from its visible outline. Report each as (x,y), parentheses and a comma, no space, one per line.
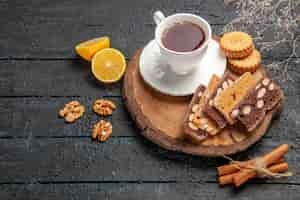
(108,65)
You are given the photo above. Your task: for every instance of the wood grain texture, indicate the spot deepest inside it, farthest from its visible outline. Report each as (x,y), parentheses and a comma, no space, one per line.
(34,160)
(38,117)
(73,78)
(50,30)
(100,11)
(41,157)
(41,41)
(25,116)
(146,191)
(51,78)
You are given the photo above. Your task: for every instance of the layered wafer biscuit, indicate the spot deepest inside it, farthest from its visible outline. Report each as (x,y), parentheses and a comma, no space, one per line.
(227,80)
(236,45)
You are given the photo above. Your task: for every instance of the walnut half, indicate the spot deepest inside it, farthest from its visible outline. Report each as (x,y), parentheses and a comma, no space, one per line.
(102,130)
(103,107)
(72,111)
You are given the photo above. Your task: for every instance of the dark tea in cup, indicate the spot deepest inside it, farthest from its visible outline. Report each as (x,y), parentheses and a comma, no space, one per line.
(183,37)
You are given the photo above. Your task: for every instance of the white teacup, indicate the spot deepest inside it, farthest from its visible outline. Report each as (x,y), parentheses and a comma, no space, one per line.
(181,63)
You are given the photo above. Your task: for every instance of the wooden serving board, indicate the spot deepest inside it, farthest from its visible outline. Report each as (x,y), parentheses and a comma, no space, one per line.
(160,117)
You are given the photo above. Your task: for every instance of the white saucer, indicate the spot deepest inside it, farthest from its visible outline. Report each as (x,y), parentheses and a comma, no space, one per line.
(213,62)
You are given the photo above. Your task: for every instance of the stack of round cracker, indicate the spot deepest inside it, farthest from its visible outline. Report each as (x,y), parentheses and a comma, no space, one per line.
(240,51)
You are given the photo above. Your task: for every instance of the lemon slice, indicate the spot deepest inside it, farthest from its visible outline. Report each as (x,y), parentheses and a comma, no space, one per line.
(89,48)
(108,65)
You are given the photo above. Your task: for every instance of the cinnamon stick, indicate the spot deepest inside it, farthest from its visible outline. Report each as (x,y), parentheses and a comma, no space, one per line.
(279,168)
(226,179)
(231,168)
(245,174)
(276,168)
(276,154)
(234,167)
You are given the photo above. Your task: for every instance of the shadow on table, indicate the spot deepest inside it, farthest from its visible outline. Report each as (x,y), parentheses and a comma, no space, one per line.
(84,68)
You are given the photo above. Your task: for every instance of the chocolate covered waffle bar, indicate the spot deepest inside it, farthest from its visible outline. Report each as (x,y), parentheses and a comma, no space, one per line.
(252,109)
(198,126)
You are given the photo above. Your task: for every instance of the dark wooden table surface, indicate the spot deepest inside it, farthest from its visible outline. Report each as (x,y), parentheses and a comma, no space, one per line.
(41,157)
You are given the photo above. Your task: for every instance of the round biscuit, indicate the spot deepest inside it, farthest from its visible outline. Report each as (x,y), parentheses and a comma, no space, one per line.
(248,64)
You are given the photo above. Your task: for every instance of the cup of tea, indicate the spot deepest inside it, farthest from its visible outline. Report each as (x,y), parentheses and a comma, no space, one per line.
(182,39)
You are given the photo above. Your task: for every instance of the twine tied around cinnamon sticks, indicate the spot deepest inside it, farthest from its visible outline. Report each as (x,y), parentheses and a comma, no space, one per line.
(271,165)
(259,167)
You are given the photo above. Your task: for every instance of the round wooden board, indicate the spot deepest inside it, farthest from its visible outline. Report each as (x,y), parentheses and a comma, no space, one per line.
(160,117)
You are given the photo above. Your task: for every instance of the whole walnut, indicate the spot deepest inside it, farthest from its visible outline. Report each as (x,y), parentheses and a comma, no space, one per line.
(72,111)
(104,107)
(102,130)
